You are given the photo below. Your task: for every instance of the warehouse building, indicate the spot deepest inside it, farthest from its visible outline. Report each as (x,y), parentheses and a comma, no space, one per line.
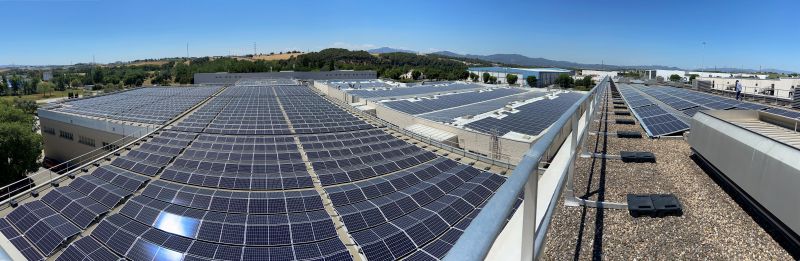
(79,129)
(544,76)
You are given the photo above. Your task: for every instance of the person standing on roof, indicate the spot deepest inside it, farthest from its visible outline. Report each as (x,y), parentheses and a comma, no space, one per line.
(738,90)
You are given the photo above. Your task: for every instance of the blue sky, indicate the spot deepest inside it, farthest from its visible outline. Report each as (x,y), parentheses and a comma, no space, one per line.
(738,33)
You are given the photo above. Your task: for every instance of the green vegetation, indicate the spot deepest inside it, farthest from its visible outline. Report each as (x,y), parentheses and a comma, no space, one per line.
(675,78)
(415,74)
(474,77)
(584,84)
(631,74)
(44,88)
(181,70)
(565,81)
(692,77)
(492,79)
(531,80)
(485,77)
(511,78)
(20,145)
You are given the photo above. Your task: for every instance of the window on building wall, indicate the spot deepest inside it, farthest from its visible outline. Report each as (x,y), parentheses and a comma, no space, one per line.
(65,135)
(86,141)
(49,130)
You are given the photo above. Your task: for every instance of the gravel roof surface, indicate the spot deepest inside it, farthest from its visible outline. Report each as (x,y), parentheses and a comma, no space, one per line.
(713,227)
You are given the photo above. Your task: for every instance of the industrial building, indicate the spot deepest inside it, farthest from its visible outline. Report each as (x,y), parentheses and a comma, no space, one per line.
(544,76)
(781,88)
(360,169)
(600,74)
(73,128)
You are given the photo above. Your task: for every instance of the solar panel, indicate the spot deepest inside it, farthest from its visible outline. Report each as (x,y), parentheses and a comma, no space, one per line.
(654,119)
(153,105)
(693,110)
(77,207)
(749,106)
(531,118)
(664,125)
(440,102)
(42,225)
(230,181)
(785,113)
(87,249)
(415,90)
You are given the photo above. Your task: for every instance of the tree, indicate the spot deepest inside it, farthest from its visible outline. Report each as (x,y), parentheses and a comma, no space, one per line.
(27,106)
(45,87)
(492,79)
(674,78)
(587,81)
(16,81)
(3,87)
(415,74)
(511,78)
(531,80)
(20,145)
(565,81)
(485,77)
(75,83)
(474,77)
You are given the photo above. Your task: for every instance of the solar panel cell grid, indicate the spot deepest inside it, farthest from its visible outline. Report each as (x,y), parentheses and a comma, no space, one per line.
(531,119)
(215,187)
(429,104)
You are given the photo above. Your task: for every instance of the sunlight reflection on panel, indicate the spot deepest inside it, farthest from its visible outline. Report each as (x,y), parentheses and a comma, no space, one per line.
(177,224)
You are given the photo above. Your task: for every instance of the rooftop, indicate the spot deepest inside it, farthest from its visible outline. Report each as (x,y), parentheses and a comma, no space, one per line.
(716,224)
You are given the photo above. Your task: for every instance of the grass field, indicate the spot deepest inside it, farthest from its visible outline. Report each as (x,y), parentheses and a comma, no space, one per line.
(36,97)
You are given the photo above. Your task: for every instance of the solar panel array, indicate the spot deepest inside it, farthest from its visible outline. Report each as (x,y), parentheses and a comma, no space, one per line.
(642,99)
(656,120)
(358,84)
(449,115)
(440,102)
(152,105)
(225,185)
(415,90)
(531,118)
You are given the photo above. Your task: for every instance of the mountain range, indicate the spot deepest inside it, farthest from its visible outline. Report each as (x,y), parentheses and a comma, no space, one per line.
(518,59)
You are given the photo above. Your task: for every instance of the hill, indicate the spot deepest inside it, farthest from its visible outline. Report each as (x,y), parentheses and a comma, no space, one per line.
(389,50)
(518,59)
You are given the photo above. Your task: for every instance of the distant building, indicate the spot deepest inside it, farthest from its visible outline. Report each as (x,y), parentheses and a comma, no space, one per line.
(47,75)
(544,76)
(599,74)
(783,87)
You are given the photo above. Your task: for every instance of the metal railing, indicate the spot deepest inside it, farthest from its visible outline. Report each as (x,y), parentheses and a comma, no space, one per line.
(478,238)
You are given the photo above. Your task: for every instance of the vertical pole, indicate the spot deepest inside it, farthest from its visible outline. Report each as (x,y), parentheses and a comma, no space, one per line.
(529,215)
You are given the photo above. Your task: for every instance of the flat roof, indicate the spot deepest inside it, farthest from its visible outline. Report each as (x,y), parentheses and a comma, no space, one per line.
(713,226)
